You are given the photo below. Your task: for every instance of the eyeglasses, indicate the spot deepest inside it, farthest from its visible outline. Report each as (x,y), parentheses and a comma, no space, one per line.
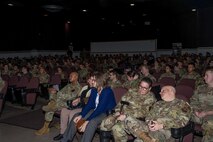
(143,88)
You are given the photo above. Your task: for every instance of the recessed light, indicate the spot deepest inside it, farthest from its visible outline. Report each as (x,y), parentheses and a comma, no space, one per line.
(132,4)
(10,4)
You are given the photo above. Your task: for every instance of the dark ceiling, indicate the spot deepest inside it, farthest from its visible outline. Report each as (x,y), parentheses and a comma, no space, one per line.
(45,21)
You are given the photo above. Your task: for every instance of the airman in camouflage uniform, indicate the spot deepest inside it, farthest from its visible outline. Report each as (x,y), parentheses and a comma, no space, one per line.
(44,78)
(179,69)
(164,115)
(59,100)
(202,104)
(145,73)
(113,81)
(193,75)
(83,72)
(168,73)
(137,105)
(132,81)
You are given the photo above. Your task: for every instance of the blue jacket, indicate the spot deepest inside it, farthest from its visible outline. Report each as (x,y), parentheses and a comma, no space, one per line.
(106,103)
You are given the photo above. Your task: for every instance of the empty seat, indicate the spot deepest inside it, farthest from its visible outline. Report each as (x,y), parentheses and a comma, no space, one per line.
(31,92)
(20,87)
(55,80)
(187,82)
(184,92)
(13,80)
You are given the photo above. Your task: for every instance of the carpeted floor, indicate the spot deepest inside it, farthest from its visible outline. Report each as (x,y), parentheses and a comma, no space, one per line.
(33,119)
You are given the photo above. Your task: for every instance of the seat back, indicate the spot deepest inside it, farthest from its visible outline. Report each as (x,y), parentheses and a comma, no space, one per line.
(13,81)
(55,79)
(119,92)
(31,95)
(33,83)
(187,82)
(184,92)
(5,77)
(22,82)
(167,81)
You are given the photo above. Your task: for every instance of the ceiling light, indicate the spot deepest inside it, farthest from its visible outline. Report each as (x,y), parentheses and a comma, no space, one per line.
(52,8)
(194,9)
(132,4)
(10,4)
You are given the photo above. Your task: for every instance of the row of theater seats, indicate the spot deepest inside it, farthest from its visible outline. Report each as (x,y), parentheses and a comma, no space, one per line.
(171,81)
(24,90)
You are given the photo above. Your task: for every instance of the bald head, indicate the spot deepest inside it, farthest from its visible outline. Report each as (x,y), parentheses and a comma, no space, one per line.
(168,93)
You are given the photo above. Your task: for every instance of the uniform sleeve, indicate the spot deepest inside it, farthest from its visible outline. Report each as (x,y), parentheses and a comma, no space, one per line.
(67,94)
(194,100)
(141,109)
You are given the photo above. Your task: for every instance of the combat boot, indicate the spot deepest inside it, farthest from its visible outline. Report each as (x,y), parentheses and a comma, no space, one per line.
(51,106)
(44,130)
(145,137)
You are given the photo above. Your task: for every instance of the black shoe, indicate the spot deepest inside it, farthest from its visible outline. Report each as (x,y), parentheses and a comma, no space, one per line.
(58,137)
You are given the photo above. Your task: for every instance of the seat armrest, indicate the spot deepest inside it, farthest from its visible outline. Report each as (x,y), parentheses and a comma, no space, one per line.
(183,131)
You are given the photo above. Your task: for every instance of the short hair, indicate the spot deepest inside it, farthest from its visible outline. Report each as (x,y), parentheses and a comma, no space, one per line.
(114,72)
(209,68)
(191,64)
(147,80)
(132,73)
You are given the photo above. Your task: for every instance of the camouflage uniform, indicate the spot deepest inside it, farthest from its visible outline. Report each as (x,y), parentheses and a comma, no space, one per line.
(115,84)
(34,72)
(83,74)
(195,76)
(202,100)
(167,74)
(43,78)
(182,72)
(131,84)
(172,114)
(149,76)
(139,106)
(59,100)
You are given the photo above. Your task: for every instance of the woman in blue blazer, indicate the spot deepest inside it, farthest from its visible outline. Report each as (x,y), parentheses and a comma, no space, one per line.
(101,101)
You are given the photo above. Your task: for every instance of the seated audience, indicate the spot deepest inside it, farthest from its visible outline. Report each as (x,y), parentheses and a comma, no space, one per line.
(202,104)
(164,115)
